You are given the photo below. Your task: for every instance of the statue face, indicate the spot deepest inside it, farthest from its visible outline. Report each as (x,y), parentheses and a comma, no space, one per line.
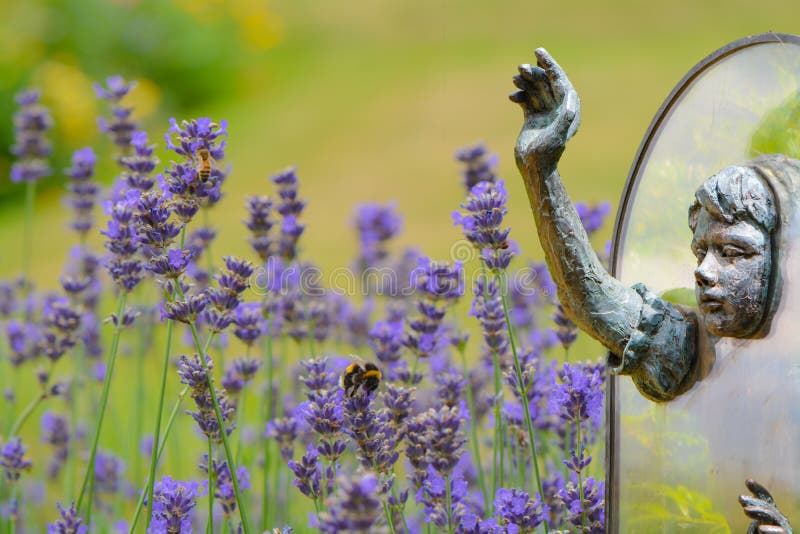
(734,261)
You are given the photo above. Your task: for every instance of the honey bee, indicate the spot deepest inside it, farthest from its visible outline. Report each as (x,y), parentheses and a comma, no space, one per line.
(360,375)
(204,165)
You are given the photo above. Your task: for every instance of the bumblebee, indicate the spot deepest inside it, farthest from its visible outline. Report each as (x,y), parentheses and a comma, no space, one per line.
(360,375)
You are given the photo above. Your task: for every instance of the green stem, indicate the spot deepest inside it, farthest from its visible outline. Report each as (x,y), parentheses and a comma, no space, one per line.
(88,479)
(157,431)
(523,393)
(476,449)
(239,422)
(210,524)
(240,502)
(580,476)
(449,503)
(26,413)
(137,465)
(388,515)
(160,448)
(266,509)
(27,241)
(160,409)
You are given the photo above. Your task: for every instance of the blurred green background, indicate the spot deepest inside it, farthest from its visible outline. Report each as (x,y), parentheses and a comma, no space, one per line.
(369,98)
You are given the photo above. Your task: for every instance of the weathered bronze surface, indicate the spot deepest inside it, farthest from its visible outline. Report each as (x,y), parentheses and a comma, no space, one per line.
(735,221)
(741,221)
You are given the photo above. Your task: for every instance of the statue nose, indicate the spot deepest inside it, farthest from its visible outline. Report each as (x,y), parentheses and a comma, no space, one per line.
(706,273)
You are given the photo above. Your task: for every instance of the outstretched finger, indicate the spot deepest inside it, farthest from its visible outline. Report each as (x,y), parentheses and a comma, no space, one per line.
(558,78)
(758,490)
(523,99)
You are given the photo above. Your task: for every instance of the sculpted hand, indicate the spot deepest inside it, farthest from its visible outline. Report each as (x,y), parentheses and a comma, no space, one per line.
(760,507)
(552,113)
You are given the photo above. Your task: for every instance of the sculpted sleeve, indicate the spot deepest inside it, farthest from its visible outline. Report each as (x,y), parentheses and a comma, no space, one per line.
(660,354)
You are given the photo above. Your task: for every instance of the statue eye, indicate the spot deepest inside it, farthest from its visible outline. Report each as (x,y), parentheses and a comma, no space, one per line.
(730,251)
(699,253)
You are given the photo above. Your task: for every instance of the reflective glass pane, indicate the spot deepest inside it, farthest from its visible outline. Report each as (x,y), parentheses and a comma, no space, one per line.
(682,464)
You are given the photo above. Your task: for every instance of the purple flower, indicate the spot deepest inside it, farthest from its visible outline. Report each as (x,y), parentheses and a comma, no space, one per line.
(580,395)
(140,164)
(450,387)
(152,220)
(69,523)
(308,473)
(13,459)
(478,165)
(23,340)
(184,311)
(192,373)
(487,307)
(260,223)
(376,225)
(515,507)
(31,148)
(172,264)
(238,374)
(355,507)
(386,340)
(567,331)
(116,88)
(223,483)
(592,217)
(284,431)
(182,181)
(250,323)
(123,242)
(318,376)
(439,285)
(398,400)
(120,127)
(108,471)
(593,505)
(56,432)
(577,462)
(372,432)
(432,494)
(82,189)
(485,209)
(173,506)
(290,207)
(443,437)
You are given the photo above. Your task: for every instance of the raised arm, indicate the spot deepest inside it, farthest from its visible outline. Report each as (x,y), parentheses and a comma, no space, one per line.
(598,303)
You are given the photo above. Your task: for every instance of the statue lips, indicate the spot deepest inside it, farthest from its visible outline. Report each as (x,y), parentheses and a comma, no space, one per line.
(711,302)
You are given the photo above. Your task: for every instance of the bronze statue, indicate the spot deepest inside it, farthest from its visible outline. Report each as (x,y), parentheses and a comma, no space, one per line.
(736,221)
(740,221)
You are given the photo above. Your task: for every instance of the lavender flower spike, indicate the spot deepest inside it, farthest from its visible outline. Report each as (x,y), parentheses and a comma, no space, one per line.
(173,506)
(69,523)
(30,147)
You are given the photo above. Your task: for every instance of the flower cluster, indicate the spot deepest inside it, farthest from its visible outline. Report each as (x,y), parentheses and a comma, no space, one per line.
(439,285)
(121,126)
(191,184)
(290,207)
(31,148)
(376,225)
(478,165)
(82,189)
(173,506)
(194,375)
(485,209)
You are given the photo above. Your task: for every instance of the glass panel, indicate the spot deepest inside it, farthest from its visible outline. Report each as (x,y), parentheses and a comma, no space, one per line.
(682,464)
